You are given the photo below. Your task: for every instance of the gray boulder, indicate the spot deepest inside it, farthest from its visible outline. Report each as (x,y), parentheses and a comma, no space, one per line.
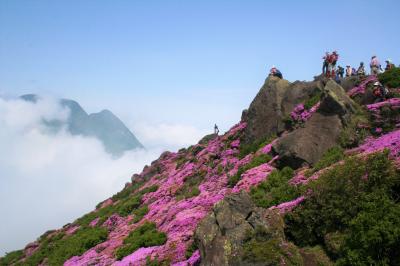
(234,223)
(307,144)
(273,103)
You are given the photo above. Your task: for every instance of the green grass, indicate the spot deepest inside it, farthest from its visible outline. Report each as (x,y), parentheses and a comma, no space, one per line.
(156,262)
(11,257)
(275,189)
(331,156)
(143,236)
(190,249)
(140,213)
(60,247)
(313,100)
(246,149)
(190,186)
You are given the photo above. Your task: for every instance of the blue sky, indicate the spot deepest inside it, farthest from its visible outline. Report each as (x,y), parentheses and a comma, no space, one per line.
(183,62)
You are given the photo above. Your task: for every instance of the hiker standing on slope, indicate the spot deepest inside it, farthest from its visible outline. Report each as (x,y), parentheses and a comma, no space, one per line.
(325,63)
(361,70)
(375,65)
(333,58)
(216,130)
(349,71)
(340,72)
(389,65)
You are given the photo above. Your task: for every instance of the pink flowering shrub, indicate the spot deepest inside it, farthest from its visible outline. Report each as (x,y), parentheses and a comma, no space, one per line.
(300,114)
(360,89)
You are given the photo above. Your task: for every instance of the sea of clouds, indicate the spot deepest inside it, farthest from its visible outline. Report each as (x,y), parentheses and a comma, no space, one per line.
(48,179)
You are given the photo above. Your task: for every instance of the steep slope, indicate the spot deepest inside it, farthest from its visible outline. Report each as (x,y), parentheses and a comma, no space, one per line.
(234,200)
(105,126)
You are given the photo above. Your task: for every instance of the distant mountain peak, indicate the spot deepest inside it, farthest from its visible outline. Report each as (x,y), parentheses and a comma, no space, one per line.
(104,125)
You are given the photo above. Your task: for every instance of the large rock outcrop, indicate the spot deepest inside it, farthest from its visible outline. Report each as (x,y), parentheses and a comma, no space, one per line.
(307,144)
(220,236)
(275,100)
(238,233)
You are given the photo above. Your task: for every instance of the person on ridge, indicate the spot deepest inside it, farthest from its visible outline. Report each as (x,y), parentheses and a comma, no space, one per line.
(349,71)
(353,71)
(389,65)
(325,63)
(216,129)
(340,72)
(380,92)
(361,70)
(275,72)
(333,58)
(375,65)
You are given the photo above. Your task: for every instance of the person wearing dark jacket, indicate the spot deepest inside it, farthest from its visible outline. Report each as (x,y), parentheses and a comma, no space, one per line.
(275,72)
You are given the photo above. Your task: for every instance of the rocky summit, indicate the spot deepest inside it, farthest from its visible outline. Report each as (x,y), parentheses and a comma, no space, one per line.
(309,176)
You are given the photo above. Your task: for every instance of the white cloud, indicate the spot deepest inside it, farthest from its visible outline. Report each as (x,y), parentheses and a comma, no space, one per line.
(47,180)
(173,136)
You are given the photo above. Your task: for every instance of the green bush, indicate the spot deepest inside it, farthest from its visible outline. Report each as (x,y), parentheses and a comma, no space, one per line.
(313,100)
(126,207)
(390,78)
(156,262)
(190,186)
(374,234)
(152,188)
(275,189)
(126,192)
(11,257)
(102,213)
(331,156)
(143,236)
(358,202)
(140,213)
(256,161)
(246,149)
(192,248)
(353,135)
(60,247)
(260,247)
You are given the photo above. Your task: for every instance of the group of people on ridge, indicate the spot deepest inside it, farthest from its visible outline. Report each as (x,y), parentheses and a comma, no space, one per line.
(329,67)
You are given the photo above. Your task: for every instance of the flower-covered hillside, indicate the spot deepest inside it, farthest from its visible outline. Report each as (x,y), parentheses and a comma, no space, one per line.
(300,177)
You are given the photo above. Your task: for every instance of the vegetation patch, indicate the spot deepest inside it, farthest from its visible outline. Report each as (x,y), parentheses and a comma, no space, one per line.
(124,207)
(11,257)
(156,262)
(256,161)
(140,213)
(390,78)
(355,131)
(313,100)
(331,156)
(260,247)
(60,247)
(246,149)
(275,189)
(191,249)
(190,186)
(127,191)
(353,212)
(143,236)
